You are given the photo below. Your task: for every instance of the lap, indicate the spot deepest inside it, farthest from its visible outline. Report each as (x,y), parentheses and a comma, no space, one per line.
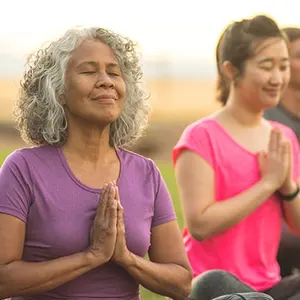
(287,289)
(245,296)
(288,254)
(221,285)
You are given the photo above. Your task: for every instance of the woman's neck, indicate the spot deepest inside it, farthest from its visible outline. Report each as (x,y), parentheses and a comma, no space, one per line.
(89,143)
(238,109)
(243,115)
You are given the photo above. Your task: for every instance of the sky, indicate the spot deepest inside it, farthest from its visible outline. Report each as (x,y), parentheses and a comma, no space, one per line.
(164,29)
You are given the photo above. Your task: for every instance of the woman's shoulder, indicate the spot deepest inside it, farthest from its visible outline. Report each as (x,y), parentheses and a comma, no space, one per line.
(130,155)
(201,131)
(24,157)
(204,124)
(136,162)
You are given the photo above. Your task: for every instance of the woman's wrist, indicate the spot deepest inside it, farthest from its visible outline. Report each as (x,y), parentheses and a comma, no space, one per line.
(126,261)
(289,188)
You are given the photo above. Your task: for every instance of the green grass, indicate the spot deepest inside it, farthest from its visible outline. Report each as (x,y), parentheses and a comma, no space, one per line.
(3,154)
(168,175)
(167,172)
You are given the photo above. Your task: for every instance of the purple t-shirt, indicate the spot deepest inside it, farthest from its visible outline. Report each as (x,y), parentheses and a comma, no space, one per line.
(37,186)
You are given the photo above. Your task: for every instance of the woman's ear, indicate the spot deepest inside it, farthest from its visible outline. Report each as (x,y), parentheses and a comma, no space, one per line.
(62,99)
(229,70)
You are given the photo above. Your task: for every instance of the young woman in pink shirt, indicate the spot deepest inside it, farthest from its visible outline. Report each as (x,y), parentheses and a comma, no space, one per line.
(237,172)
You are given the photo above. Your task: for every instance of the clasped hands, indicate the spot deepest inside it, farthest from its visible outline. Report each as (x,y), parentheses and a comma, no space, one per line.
(276,164)
(107,235)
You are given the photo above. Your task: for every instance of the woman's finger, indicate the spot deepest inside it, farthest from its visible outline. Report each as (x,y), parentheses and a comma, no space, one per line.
(120,213)
(272,147)
(110,199)
(117,194)
(278,139)
(112,214)
(103,202)
(286,153)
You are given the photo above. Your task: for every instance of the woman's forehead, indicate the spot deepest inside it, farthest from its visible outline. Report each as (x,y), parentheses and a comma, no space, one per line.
(271,48)
(93,51)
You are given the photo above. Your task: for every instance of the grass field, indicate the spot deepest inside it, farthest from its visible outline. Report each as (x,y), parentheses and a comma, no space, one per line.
(167,173)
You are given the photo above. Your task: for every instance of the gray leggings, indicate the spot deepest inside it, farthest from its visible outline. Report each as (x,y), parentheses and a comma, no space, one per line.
(221,285)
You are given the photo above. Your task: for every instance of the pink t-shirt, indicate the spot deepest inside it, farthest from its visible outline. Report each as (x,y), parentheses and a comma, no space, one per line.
(249,249)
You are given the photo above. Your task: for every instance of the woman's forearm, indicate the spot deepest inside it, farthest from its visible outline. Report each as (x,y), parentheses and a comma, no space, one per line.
(292,209)
(19,278)
(222,215)
(165,279)
(292,215)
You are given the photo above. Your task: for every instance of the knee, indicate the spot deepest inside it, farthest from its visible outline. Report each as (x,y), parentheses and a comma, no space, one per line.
(211,283)
(213,276)
(245,296)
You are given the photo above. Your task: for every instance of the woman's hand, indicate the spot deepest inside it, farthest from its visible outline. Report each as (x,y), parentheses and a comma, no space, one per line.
(103,233)
(275,165)
(121,254)
(289,186)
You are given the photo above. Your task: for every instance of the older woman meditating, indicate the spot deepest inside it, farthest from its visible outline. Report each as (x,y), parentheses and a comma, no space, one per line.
(78,212)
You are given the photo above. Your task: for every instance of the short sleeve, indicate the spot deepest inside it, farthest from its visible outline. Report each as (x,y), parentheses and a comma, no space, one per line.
(15,187)
(197,139)
(163,206)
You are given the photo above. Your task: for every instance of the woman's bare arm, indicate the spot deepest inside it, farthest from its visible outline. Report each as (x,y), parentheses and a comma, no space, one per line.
(168,272)
(18,277)
(204,216)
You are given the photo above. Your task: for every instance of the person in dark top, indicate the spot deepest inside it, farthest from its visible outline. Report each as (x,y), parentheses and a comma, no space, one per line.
(287,112)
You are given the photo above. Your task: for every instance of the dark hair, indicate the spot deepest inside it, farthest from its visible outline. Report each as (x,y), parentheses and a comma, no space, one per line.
(292,33)
(237,44)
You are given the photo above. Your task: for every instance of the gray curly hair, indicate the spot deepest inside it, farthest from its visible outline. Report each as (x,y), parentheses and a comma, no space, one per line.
(39,115)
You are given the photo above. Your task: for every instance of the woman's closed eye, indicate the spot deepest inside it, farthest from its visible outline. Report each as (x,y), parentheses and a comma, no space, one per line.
(266,67)
(113,74)
(88,72)
(284,67)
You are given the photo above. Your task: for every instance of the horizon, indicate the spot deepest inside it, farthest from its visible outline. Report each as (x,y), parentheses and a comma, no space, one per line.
(153,68)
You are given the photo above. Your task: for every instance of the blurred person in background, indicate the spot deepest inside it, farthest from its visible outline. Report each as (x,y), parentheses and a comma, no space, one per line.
(288,112)
(237,173)
(288,109)
(78,212)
